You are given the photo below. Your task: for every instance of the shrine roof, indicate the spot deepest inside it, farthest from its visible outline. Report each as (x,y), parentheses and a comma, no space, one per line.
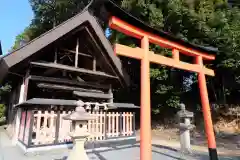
(23,55)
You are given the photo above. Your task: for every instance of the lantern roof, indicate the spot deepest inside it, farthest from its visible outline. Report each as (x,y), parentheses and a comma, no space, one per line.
(79,115)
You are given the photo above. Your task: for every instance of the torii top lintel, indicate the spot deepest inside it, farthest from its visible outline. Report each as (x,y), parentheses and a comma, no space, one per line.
(138,53)
(128,29)
(108,10)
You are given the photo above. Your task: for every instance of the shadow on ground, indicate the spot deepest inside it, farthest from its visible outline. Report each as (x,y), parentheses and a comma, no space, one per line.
(224,140)
(132,151)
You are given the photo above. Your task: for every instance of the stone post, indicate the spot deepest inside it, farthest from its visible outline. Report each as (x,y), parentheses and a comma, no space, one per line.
(79,133)
(185,126)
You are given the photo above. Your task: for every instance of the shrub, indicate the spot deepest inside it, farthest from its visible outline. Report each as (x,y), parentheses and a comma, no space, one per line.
(2,111)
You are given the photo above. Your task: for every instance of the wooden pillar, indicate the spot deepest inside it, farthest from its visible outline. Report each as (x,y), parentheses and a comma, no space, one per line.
(175,54)
(31,129)
(58,118)
(111,93)
(105,125)
(26,82)
(76,55)
(94,64)
(120,124)
(145,115)
(206,112)
(18,114)
(134,125)
(22,125)
(55,55)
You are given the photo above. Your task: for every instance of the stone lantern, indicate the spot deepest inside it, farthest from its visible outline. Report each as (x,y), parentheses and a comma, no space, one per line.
(79,131)
(184,120)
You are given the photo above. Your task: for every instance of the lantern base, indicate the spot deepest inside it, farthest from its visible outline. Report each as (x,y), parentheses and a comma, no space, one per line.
(78,151)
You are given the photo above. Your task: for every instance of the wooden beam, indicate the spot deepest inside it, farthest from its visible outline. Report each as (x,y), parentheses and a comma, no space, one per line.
(52,70)
(64,87)
(79,53)
(67,81)
(159,59)
(122,50)
(119,25)
(125,105)
(72,69)
(76,54)
(92,95)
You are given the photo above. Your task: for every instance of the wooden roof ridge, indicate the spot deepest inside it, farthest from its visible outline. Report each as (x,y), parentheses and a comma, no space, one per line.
(114,10)
(13,58)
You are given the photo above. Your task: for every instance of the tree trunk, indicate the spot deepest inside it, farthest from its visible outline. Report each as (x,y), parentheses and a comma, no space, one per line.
(223,91)
(213,89)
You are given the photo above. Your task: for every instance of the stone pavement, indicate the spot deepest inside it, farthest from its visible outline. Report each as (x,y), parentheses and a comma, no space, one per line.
(128,152)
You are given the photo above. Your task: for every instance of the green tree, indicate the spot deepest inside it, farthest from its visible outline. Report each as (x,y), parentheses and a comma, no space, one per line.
(25,36)
(203,22)
(3,90)
(47,14)
(206,22)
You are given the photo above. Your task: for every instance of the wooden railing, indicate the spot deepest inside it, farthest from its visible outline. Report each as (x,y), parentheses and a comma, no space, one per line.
(49,127)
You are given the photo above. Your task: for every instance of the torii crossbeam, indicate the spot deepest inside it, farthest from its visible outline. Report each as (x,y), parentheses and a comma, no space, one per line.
(146,57)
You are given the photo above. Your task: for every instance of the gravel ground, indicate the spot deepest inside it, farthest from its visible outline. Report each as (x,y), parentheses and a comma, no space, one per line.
(128,152)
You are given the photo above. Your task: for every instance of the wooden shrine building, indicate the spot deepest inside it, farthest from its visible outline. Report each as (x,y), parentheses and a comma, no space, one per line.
(73,61)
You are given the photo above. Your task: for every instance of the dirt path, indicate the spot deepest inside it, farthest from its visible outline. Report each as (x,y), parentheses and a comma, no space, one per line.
(226,144)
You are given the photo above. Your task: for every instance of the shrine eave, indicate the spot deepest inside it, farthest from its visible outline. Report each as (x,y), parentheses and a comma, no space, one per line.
(62,102)
(43,101)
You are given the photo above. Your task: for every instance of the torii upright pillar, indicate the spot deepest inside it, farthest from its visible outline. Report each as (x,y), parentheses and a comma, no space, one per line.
(206,112)
(145,56)
(145,110)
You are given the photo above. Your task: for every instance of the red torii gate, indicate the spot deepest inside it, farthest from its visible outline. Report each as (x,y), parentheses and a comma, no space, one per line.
(146,57)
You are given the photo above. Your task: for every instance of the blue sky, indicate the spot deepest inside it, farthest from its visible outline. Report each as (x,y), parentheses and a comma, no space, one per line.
(15,16)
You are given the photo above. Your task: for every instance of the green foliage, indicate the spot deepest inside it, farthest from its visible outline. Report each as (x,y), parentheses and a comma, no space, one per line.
(47,14)
(203,22)
(3,90)
(2,111)
(24,36)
